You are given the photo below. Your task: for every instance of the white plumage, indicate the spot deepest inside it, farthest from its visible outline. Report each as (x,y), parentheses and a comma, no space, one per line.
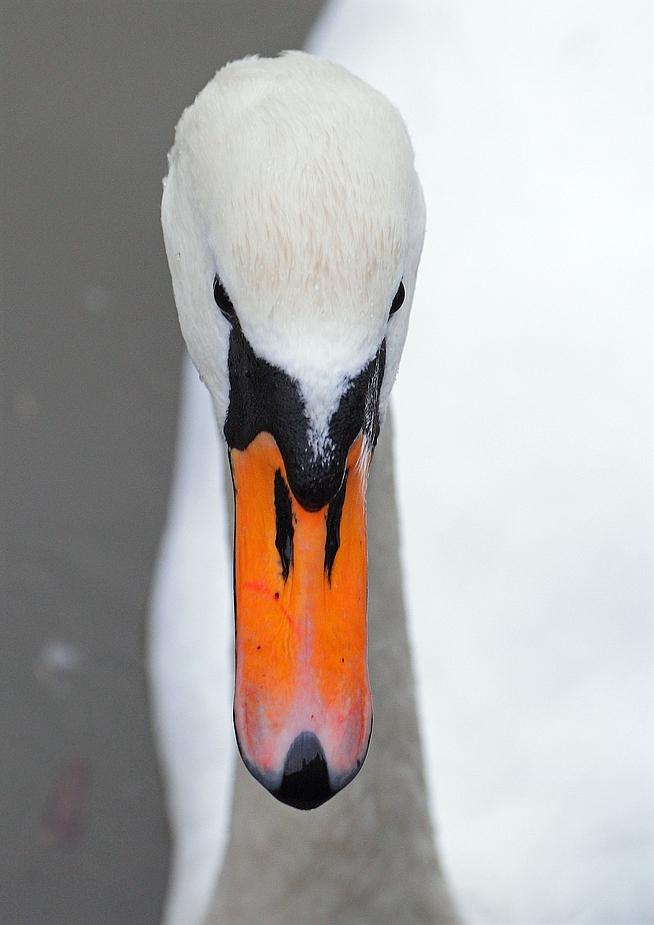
(310,213)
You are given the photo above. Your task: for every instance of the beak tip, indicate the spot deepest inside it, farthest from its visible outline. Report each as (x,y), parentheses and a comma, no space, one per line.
(305,781)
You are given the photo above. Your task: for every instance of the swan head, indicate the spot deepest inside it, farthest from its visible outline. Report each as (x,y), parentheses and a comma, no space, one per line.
(293,220)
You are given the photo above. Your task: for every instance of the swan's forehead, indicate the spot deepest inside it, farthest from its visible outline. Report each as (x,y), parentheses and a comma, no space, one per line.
(304,180)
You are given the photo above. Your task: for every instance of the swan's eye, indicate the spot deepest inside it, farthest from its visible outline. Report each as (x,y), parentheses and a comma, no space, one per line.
(223,301)
(398,301)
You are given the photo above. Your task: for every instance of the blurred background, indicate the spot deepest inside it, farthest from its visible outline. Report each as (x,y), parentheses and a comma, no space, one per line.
(90,353)
(527,521)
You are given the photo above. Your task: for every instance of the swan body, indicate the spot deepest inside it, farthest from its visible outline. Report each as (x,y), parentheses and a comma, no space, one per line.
(293,221)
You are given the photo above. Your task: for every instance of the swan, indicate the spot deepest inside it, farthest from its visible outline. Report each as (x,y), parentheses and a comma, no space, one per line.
(293,221)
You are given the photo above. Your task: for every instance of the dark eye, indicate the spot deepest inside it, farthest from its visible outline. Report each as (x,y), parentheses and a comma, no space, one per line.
(398,301)
(223,301)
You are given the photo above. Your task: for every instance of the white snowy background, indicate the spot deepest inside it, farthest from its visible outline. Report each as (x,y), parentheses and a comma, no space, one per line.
(524,421)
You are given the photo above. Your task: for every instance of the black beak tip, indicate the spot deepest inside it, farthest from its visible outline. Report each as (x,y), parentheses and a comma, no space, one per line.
(305,783)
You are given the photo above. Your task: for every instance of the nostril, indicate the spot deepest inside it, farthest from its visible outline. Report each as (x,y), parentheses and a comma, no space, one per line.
(333,540)
(305,784)
(285,529)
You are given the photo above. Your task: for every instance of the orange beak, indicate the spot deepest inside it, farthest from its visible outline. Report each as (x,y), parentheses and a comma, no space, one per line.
(302,703)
